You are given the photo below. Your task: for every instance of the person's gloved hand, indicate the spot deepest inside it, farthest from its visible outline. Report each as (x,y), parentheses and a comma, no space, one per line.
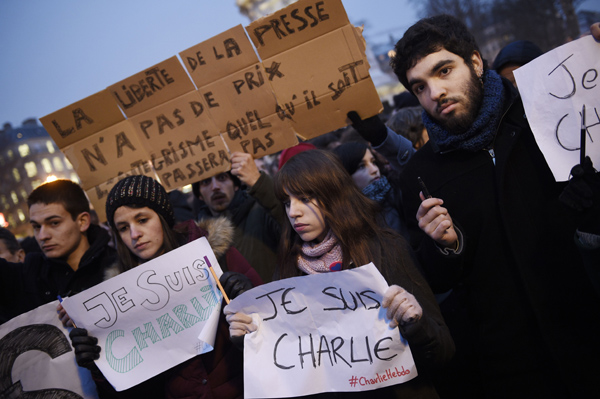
(371,129)
(86,348)
(235,284)
(240,324)
(402,307)
(582,196)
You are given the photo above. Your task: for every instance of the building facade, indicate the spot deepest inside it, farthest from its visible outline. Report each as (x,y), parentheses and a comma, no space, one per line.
(28,157)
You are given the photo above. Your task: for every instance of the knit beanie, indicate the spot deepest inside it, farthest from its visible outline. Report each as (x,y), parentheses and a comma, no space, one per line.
(519,52)
(290,152)
(142,191)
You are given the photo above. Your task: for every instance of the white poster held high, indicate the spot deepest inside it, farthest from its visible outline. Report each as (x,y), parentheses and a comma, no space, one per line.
(154,316)
(555,87)
(322,333)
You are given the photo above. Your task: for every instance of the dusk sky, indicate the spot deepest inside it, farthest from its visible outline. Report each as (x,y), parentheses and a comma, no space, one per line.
(55,53)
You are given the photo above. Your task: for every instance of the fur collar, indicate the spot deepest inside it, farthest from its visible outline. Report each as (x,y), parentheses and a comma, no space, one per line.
(218,231)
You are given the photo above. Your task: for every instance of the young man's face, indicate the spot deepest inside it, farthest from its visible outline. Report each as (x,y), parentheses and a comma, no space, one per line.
(448,89)
(217,192)
(56,232)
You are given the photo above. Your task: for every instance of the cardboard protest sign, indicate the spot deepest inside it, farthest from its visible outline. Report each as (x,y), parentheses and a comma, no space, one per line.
(172,123)
(219,56)
(184,118)
(317,65)
(555,87)
(241,103)
(108,153)
(322,333)
(260,136)
(182,141)
(237,94)
(82,119)
(295,24)
(38,360)
(152,317)
(199,160)
(151,87)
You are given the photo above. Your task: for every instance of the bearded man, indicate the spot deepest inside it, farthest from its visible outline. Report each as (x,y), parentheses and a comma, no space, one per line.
(493,232)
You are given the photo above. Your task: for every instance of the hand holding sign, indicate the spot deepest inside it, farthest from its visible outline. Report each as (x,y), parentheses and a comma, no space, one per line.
(86,348)
(152,317)
(322,333)
(244,167)
(239,323)
(402,306)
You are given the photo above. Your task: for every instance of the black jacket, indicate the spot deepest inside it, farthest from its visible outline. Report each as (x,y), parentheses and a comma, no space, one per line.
(39,279)
(257,216)
(531,317)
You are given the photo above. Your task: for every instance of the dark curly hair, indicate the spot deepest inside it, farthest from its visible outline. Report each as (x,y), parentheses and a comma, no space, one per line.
(430,35)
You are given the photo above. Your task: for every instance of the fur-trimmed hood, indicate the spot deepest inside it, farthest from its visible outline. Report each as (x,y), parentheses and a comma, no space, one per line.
(218,231)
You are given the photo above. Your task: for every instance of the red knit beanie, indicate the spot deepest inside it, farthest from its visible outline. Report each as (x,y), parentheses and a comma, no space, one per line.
(290,152)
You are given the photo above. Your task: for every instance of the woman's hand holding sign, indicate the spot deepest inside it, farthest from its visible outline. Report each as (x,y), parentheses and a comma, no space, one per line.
(402,307)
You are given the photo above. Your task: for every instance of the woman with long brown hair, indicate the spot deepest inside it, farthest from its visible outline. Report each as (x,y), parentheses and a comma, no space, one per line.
(333,226)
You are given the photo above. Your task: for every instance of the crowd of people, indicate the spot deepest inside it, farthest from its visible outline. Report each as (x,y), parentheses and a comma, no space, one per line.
(493,265)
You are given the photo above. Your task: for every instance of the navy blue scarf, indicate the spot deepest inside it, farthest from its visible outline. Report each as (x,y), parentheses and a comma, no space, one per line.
(378,189)
(482,131)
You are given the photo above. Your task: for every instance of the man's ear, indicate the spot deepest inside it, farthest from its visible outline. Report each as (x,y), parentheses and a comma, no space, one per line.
(20,255)
(477,63)
(84,220)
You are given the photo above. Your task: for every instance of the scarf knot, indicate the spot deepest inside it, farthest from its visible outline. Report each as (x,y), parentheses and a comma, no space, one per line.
(323,257)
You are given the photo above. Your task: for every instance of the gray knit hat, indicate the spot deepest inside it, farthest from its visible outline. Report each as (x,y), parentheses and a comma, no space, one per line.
(142,191)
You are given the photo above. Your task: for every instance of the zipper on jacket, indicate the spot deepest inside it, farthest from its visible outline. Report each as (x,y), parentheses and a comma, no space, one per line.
(493,155)
(491,150)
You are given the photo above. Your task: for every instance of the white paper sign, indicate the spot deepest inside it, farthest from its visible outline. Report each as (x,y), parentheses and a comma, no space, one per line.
(37,360)
(322,333)
(154,316)
(554,88)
